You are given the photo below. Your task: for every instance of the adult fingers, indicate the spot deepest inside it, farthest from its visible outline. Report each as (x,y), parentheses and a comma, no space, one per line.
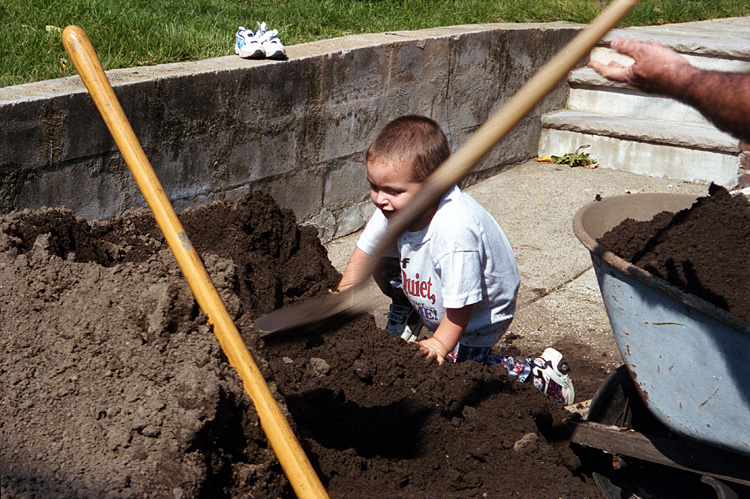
(613,70)
(601,68)
(625,46)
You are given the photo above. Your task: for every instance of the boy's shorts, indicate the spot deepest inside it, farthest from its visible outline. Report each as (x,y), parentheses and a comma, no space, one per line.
(463,353)
(388,278)
(517,368)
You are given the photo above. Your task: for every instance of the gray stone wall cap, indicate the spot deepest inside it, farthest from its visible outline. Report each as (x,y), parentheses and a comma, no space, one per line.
(72,84)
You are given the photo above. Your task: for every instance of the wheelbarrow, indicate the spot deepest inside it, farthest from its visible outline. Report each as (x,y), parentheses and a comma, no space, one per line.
(678,410)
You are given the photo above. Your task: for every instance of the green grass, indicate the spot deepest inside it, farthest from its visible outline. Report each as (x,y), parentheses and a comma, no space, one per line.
(129,33)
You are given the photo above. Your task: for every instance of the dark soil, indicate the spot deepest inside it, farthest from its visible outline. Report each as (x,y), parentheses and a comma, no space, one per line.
(701,250)
(113,385)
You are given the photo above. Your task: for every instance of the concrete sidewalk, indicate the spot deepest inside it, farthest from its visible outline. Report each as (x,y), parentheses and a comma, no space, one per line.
(559,297)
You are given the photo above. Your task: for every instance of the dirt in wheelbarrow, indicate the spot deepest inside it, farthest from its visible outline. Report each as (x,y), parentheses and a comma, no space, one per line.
(114,386)
(701,250)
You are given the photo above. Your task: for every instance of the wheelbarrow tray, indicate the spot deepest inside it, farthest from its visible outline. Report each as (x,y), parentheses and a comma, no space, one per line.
(689,359)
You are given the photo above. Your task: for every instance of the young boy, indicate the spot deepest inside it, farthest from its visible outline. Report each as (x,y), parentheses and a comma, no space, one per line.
(453,270)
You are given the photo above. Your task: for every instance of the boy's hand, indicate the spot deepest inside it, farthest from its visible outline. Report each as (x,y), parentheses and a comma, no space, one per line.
(446,336)
(431,349)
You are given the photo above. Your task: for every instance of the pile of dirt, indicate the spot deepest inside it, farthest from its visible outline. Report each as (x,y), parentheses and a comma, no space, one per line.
(700,249)
(113,385)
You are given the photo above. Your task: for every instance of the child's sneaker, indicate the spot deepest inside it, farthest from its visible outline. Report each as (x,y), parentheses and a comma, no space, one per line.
(247,45)
(269,39)
(404,322)
(550,375)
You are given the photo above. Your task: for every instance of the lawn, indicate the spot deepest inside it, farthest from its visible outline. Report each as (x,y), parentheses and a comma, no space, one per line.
(129,33)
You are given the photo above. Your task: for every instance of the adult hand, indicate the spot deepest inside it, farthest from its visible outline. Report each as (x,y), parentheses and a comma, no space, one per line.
(431,349)
(656,69)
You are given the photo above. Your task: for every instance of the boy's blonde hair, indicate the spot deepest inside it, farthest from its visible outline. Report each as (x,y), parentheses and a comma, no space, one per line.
(414,140)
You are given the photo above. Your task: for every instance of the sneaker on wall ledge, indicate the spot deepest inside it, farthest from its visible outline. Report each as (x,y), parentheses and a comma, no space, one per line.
(247,45)
(269,39)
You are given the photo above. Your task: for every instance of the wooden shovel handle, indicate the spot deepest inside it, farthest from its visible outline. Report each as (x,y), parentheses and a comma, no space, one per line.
(288,450)
(460,163)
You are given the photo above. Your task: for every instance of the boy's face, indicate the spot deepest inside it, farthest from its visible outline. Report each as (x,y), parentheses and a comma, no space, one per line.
(391,186)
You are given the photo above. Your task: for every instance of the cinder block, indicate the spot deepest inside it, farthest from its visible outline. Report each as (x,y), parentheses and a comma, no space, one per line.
(346,183)
(476,72)
(257,153)
(87,188)
(348,130)
(82,132)
(185,174)
(353,218)
(271,90)
(352,75)
(300,191)
(21,136)
(325,223)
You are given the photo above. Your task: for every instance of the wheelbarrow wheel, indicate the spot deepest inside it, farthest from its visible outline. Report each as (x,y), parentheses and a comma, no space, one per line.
(618,403)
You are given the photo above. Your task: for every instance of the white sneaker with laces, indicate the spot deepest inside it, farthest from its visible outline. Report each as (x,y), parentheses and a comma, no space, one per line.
(269,39)
(247,45)
(550,376)
(404,322)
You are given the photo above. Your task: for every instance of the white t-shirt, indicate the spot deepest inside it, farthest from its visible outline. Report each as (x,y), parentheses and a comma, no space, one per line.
(461,258)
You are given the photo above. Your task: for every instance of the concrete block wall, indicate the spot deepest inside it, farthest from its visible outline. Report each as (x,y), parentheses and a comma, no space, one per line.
(215,129)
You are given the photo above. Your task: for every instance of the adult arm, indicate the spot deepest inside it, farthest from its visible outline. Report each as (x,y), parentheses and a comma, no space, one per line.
(367,244)
(724,98)
(355,269)
(446,336)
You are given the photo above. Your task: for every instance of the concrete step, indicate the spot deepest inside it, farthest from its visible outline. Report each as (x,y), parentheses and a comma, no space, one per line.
(631,131)
(591,92)
(688,135)
(717,38)
(686,152)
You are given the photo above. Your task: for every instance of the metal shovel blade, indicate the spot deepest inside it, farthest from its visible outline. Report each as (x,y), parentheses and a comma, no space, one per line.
(311,316)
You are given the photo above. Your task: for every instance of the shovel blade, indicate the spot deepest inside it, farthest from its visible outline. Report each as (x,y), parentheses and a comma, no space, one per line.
(310,316)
